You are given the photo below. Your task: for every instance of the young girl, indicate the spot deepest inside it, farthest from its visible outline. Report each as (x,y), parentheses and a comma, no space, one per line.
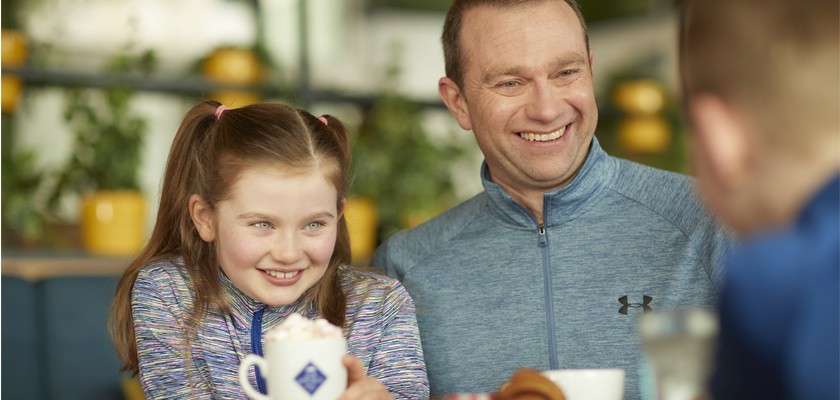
(249,230)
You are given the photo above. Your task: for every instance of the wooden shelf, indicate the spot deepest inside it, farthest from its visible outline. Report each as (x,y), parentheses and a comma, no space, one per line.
(194,86)
(36,268)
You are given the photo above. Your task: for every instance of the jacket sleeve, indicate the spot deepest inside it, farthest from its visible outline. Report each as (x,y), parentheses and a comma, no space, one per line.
(166,372)
(714,246)
(383,261)
(398,360)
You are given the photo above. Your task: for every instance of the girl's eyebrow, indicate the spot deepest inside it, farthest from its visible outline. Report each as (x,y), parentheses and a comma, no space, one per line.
(254,215)
(323,214)
(257,215)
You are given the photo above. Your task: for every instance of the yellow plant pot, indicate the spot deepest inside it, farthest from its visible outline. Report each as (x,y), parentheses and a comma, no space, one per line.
(640,97)
(235,99)
(113,223)
(13,55)
(12,86)
(131,388)
(362,219)
(236,67)
(412,219)
(644,135)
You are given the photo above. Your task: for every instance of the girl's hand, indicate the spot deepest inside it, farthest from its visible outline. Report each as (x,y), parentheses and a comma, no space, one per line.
(361,386)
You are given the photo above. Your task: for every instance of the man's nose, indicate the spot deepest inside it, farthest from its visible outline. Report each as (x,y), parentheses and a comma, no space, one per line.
(545,104)
(286,248)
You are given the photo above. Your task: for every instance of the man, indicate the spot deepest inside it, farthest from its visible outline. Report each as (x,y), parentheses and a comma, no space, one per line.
(767,155)
(552,263)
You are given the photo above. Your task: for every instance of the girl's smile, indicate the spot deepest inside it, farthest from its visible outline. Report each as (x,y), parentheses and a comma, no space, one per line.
(276,230)
(282,278)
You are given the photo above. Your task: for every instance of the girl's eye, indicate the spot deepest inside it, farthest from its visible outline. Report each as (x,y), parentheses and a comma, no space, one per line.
(315,225)
(262,225)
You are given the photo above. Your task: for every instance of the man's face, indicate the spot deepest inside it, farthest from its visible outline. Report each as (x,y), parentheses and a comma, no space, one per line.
(527,93)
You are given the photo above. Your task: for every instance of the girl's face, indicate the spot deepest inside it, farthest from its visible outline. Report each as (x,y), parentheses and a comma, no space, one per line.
(276,232)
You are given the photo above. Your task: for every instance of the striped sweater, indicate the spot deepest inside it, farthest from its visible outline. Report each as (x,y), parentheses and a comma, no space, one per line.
(380,328)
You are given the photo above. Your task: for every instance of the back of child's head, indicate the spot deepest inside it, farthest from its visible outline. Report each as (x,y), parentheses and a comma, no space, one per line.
(775,61)
(212,147)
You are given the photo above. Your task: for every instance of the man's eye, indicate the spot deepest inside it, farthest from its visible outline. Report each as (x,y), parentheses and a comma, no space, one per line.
(568,72)
(508,84)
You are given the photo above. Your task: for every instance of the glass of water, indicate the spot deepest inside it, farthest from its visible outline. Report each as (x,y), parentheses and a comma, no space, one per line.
(679,346)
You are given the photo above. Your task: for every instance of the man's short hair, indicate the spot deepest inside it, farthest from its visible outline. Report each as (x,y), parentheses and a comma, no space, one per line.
(776,61)
(452,54)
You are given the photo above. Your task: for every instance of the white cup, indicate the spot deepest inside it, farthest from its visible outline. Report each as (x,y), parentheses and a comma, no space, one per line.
(589,384)
(298,369)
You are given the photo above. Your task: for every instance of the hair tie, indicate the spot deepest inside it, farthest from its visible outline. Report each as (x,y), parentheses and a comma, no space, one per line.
(219,110)
(323,119)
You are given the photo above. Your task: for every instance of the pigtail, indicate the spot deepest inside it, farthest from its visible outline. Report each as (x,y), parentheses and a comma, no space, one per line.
(173,234)
(337,128)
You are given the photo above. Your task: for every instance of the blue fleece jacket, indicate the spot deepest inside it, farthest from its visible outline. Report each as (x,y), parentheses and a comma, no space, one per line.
(780,309)
(496,292)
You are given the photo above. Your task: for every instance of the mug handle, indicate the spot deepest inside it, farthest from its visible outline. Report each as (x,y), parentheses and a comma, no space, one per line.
(244,366)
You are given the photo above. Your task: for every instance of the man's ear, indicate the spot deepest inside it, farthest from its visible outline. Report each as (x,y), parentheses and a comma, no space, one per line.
(454,99)
(203,217)
(721,140)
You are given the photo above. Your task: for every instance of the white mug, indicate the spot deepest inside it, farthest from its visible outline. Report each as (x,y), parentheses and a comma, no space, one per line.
(589,384)
(298,369)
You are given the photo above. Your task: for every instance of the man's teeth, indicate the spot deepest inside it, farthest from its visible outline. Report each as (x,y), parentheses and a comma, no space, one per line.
(281,274)
(543,137)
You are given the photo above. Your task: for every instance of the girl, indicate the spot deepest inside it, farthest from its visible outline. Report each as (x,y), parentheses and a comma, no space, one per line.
(249,230)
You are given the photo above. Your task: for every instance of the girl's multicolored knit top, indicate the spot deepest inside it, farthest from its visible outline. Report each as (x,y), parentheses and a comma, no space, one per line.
(380,328)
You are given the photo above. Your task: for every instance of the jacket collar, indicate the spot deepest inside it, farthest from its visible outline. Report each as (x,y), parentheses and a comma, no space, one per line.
(243,306)
(822,204)
(559,206)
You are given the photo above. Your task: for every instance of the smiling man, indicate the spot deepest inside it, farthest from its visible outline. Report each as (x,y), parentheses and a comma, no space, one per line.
(551,264)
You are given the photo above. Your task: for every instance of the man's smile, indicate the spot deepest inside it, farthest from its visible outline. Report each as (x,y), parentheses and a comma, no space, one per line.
(545,136)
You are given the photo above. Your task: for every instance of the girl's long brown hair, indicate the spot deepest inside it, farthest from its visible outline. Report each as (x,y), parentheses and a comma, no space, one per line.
(206,157)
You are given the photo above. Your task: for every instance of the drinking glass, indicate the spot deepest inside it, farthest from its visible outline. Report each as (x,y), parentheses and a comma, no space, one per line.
(678,345)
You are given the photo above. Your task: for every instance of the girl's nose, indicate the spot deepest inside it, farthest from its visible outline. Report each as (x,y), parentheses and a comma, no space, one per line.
(286,250)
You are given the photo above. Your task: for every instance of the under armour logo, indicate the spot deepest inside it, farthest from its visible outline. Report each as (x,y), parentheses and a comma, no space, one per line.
(644,305)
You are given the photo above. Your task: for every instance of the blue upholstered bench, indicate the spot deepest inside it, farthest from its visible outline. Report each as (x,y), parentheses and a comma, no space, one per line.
(55,340)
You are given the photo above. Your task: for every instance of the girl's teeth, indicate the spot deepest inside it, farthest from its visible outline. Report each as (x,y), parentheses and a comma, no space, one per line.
(282,275)
(543,137)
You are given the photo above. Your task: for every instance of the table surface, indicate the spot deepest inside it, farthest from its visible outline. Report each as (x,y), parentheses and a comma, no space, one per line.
(37,267)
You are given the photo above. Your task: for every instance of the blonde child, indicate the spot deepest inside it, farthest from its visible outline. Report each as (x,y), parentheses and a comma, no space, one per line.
(249,230)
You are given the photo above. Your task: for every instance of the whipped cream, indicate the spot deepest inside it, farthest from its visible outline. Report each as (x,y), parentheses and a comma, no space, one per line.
(296,327)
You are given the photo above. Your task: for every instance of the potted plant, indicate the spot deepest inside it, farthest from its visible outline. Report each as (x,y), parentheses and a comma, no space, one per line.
(23,221)
(401,177)
(104,162)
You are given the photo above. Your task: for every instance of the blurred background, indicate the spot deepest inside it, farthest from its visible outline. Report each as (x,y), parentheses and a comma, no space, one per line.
(93,92)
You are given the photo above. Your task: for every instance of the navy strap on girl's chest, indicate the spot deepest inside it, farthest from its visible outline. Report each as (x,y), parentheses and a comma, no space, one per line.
(256,345)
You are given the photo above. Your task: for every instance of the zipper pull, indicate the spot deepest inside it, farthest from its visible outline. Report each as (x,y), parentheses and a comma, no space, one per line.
(543,240)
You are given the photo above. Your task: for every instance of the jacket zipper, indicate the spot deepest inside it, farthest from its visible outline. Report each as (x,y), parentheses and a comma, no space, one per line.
(553,362)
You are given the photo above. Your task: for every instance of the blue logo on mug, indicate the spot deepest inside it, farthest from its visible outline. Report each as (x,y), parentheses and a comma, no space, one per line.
(310,378)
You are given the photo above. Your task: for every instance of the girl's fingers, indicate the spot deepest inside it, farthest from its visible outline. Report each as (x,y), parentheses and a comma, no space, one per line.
(355,372)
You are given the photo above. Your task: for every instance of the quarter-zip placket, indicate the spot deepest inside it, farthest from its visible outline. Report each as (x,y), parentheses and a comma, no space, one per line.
(553,362)
(256,345)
